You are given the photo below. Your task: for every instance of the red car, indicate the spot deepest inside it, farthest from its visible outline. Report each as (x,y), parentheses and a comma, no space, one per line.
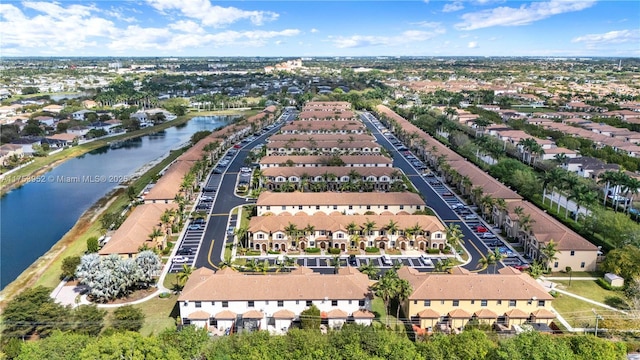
(481,229)
(522,267)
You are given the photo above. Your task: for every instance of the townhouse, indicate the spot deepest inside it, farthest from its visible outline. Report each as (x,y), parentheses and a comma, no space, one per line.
(291,147)
(287,232)
(228,301)
(338,115)
(339,203)
(535,229)
(448,302)
(328,178)
(322,137)
(324,127)
(135,232)
(325,160)
(327,106)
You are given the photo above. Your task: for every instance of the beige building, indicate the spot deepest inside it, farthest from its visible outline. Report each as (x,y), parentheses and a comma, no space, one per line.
(309,147)
(339,203)
(230,300)
(135,230)
(327,106)
(330,178)
(405,232)
(324,127)
(324,160)
(447,302)
(326,114)
(322,137)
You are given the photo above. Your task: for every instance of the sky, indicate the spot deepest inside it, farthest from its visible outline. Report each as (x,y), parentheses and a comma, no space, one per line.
(177,28)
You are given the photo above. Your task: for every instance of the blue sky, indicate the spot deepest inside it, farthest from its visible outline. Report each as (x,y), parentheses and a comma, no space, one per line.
(320,28)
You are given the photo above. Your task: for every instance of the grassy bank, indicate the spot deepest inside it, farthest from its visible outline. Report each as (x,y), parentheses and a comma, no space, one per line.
(46,269)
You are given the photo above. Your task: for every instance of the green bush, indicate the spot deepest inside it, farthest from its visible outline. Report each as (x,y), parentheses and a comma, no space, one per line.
(273,252)
(433,251)
(164,295)
(334,251)
(372,250)
(312,250)
(605,285)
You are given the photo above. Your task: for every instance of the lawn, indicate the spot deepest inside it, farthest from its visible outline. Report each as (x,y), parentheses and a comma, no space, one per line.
(591,290)
(576,312)
(377,307)
(160,314)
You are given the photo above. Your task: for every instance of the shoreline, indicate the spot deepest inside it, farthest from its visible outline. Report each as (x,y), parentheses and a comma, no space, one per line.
(30,276)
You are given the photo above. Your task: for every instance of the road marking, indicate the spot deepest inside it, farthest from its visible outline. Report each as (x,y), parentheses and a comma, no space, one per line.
(222,214)
(209,255)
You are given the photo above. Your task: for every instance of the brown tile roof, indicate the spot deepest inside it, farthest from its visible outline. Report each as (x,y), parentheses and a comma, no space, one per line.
(284,314)
(226,315)
(63,137)
(363,314)
(340,222)
(543,314)
(338,171)
(517,314)
(428,314)
(268,198)
(320,145)
(337,314)
(546,228)
(485,314)
(321,137)
(310,159)
(472,286)
(490,186)
(300,284)
(199,315)
(319,115)
(135,230)
(253,314)
(459,314)
(326,125)
(169,184)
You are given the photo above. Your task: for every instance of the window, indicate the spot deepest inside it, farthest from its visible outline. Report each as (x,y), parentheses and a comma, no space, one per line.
(427,303)
(299,207)
(198,304)
(473,302)
(350,302)
(297,302)
(309,302)
(280,303)
(335,207)
(582,265)
(213,303)
(386,207)
(512,303)
(540,302)
(368,207)
(483,302)
(573,252)
(250,303)
(401,207)
(350,207)
(266,302)
(418,207)
(334,302)
(499,302)
(415,302)
(225,304)
(268,207)
(360,303)
(555,264)
(456,302)
(317,207)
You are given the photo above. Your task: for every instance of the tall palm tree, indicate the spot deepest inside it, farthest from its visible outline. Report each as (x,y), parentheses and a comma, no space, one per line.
(487,260)
(633,188)
(454,236)
(292,231)
(155,233)
(184,274)
(368,227)
(392,228)
(549,252)
(226,262)
(385,289)
(241,232)
(335,263)
(553,177)
(608,178)
(403,290)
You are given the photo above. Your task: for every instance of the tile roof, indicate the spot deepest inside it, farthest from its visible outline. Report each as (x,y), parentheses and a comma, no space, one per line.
(321,137)
(459,314)
(268,198)
(226,315)
(363,314)
(326,125)
(517,314)
(429,314)
(338,171)
(169,184)
(507,285)
(485,314)
(253,314)
(337,314)
(284,314)
(199,315)
(300,284)
(543,314)
(312,159)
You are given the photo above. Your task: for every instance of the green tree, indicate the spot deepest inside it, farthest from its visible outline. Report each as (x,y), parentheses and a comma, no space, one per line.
(88,320)
(531,346)
(128,345)
(92,245)
(58,346)
(310,318)
(190,341)
(624,261)
(69,266)
(385,289)
(127,318)
(586,347)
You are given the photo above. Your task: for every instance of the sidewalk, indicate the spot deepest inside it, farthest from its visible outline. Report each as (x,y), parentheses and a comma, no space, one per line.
(589,300)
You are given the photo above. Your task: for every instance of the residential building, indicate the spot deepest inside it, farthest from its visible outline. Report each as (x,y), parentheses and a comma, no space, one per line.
(231,301)
(447,302)
(168,186)
(339,203)
(324,160)
(324,127)
(328,178)
(305,147)
(405,232)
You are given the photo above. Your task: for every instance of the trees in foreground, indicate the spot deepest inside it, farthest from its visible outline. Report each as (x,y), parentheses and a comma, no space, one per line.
(352,342)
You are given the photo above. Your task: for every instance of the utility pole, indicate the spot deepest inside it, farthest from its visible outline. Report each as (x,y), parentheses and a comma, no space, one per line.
(598,317)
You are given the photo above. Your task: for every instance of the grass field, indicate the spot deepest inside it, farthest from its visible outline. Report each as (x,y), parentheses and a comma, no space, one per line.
(377,307)
(159,314)
(591,290)
(578,313)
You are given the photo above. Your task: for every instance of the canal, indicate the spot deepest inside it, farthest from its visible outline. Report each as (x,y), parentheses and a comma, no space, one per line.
(35,216)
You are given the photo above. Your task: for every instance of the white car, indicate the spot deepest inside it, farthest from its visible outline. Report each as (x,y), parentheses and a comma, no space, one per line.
(471,217)
(426,260)
(180,259)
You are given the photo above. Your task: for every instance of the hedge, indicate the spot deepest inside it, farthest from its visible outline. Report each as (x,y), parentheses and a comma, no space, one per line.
(605,285)
(312,250)
(372,250)
(334,251)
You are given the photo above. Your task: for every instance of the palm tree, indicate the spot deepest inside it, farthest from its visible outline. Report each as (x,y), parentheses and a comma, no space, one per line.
(155,233)
(385,289)
(608,178)
(368,227)
(486,260)
(392,227)
(497,257)
(403,291)
(292,231)
(454,236)
(241,232)
(335,263)
(553,177)
(370,270)
(226,262)
(549,252)
(184,274)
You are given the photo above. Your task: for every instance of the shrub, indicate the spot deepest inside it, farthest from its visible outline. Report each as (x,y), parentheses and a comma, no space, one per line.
(92,245)
(372,250)
(69,266)
(273,252)
(334,251)
(164,295)
(312,250)
(127,318)
(605,285)
(433,251)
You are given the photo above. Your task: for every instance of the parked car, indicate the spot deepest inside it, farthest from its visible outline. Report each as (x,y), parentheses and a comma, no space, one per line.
(185,251)
(426,260)
(209,189)
(198,221)
(488,235)
(194,227)
(386,260)
(448,193)
(179,259)
(471,217)
(481,229)
(352,260)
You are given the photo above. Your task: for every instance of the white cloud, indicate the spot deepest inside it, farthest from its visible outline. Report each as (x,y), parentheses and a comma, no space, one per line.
(523,15)
(187,26)
(410,36)
(314,30)
(427,24)
(213,15)
(455,6)
(472,44)
(611,37)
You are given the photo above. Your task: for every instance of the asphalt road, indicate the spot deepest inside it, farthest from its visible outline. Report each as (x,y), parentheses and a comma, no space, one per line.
(475,247)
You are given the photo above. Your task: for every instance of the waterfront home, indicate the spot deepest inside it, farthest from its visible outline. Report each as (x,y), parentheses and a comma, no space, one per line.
(64,139)
(53,108)
(135,232)
(231,301)
(81,115)
(339,203)
(324,160)
(338,115)
(8,151)
(405,232)
(168,186)
(448,302)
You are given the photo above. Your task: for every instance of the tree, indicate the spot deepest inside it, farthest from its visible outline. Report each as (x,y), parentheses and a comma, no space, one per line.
(150,265)
(531,345)
(310,318)
(569,271)
(549,252)
(184,274)
(632,291)
(385,289)
(128,345)
(59,346)
(92,245)
(454,236)
(88,320)
(370,270)
(624,261)
(127,318)
(403,291)
(69,266)
(190,341)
